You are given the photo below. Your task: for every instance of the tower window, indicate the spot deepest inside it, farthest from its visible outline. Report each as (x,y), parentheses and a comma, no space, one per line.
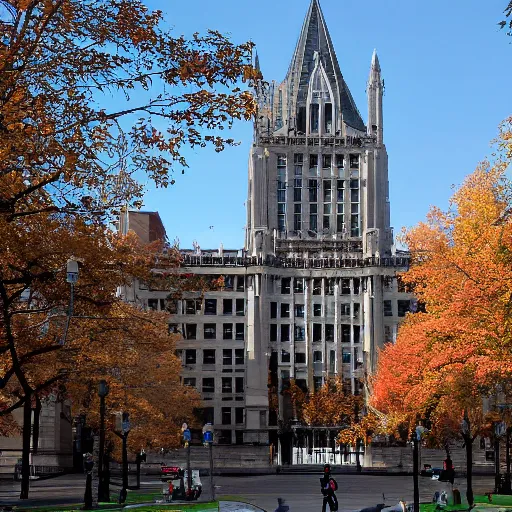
(326,161)
(313,191)
(314,118)
(328,118)
(354,161)
(313,161)
(340,161)
(281,160)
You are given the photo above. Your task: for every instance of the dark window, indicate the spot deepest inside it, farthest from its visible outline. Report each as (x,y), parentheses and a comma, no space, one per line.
(345,356)
(240,283)
(300,358)
(317,383)
(172,307)
(341,190)
(209,356)
(210,306)
(345,309)
(240,307)
(345,287)
(190,307)
(273,332)
(227,385)
(226,415)
(298,158)
(297,195)
(326,161)
(227,307)
(239,436)
(317,356)
(313,191)
(329,288)
(388,309)
(340,160)
(327,191)
(332,361)
(345,333)
(239,415)
(403,307)
(240,331)
(285,356)
(239,384)
(210,331)
(357,309)
(299,333)
(299,310)
(317,309)
(357,333)
(281,160)
(190,356)
(329,332)
(224,437)
(313,161)
(173,329)
(208,385)
(153,304)
(317,287)
(285,332)
(189,381)
(227,357)
(239,356)
(190,331)
(285,310)
(357,284)
(298,285)
(285,284)
(273,310)
(227,331)
(354,161)
(228,282)
(317,332)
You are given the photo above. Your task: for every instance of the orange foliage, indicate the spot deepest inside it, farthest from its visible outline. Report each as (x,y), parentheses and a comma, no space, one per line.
(445,360)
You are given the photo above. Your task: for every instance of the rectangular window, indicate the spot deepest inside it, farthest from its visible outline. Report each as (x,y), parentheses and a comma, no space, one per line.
(340,161)
(354,195)
(281,223)
(227,385)
(332,361)
(313,223)
(313,191)
(229,283)
(354,225)
(281,196)
(227,357)
(403,307)
(345,333)
(273,332)
(300,333)
(240,283)
(317,356)
(299,310)
(345,287)
(208,385)
(298,285)
(340,223)
(317,309)
(341,190)
(239,415)
(190,356)
(190,307)
(327,191)
(239,384)
(388,334)
(226,415)
(189,381)
(354,161)
(313,161)
(357,285)
(285,285)
(357,333)
(227,331)
(317,286)
(300,358)
(240,307)
(273,310)
(329,286)
(329,332)
(298,158)
(227,307)
(297,221)
(210,331)
(153,304)
(209,356)
(327,208)
(285,356)
(281,160)
(240,332)
(345,355)
(297,194)
(173,329)
(345,310)
(317,383)
(357,309)
(317,332)
(210,306)
(190,331)
(285,332)
(239,356)
(285,310)
(326,222)
(388,310)
(326,161)
(315,110)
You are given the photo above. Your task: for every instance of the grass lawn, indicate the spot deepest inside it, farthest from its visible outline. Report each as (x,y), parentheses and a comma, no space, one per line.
(500,500)
(431,507)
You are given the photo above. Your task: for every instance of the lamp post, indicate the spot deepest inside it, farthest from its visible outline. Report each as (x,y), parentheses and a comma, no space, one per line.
(499,430)
(103,486)
(125,431)
(416,438)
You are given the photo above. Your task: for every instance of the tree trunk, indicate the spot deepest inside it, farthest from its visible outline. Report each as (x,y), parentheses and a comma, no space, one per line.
(25,458)
(507,458)
(468,441)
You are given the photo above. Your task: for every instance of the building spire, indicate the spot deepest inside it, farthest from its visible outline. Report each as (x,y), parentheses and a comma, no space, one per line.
(375,61)
(257,62)
(375,92)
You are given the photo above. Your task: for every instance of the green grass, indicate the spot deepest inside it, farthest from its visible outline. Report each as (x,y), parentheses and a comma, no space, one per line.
(500,500)
(431,507)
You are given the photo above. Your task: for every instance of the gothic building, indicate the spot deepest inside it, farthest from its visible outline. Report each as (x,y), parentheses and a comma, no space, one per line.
(314,292)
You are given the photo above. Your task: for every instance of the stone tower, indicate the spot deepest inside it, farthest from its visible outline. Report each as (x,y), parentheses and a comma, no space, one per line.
(318,179)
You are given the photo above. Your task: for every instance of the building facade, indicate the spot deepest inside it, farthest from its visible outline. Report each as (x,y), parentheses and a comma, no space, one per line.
(314,293)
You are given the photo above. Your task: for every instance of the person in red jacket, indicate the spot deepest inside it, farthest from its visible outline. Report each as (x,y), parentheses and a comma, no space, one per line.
(328,488)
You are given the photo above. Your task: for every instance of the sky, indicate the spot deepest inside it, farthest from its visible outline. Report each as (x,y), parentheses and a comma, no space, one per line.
(447,88)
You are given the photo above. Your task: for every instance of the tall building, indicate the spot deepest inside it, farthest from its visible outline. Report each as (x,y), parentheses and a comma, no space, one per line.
(314,293)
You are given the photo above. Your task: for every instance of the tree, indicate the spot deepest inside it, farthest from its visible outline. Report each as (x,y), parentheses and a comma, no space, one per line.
(93,92)
(45,348)
(507,22)
(446,360)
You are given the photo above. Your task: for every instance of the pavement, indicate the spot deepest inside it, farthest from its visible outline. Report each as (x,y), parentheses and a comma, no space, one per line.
(302,492)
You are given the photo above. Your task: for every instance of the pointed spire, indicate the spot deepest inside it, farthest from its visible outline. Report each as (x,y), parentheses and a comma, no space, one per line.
(315,37)
(257,62)
(375,61)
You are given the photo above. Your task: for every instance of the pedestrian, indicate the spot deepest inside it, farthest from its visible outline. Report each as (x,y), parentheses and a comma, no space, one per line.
(281,506)
(328,487)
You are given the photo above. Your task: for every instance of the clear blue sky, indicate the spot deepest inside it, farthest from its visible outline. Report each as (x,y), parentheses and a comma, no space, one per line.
(446,67)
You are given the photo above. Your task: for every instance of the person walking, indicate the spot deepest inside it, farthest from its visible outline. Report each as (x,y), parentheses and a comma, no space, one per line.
(328,487)
(281,506)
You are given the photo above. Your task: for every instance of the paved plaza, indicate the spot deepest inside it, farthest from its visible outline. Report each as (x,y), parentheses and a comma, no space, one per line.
(301,492)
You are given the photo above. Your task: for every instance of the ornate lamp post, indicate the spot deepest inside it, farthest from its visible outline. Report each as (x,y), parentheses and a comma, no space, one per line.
(126,427)
(103,486)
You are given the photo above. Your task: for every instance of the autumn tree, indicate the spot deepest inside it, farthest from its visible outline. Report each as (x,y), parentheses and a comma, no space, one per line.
(447,359)
(93,92)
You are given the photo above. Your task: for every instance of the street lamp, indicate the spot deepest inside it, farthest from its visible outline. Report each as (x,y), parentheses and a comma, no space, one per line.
(103,486)
(72,273)
(126,427)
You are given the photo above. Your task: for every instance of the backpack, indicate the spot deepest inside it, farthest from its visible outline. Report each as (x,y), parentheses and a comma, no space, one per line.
(333,484)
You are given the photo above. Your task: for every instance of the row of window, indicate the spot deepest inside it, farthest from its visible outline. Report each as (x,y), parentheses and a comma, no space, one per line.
(403,307)
(284,310)
(229,356)
(320,332)
(346,286)
(190,331)
(326,160)
(300,358)
(208,384)
(194,307)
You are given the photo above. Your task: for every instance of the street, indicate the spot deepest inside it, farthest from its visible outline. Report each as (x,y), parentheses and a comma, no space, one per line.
(302,492)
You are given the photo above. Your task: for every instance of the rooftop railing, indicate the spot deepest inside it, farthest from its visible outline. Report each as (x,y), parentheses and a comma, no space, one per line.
(311,140)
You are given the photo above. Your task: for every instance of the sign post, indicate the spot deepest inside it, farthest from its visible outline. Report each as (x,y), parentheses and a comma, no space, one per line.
(187,437)
(208,441)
